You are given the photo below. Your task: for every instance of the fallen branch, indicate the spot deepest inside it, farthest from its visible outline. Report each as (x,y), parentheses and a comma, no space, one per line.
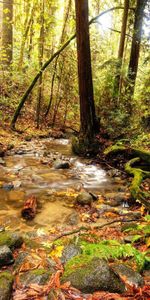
(86,228)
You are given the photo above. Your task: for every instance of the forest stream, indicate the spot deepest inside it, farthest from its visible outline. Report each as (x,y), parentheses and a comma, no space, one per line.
(29,169)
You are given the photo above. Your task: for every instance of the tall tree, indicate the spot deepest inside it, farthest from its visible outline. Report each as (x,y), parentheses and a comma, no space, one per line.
(121,48)
(41,54)
(88,120)
(135,47)
(7,32)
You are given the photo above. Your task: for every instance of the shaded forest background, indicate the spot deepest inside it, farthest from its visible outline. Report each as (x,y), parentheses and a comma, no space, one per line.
(32,31)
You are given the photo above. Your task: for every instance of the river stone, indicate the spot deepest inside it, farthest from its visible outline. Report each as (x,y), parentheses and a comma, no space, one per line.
(72,219)
(38,276)
(8,186)
(132,277)
(6,284)
(6,257)
(20,260)
(70,251)
(93,276)
(11,239)
(2,152)
(84,198)
(2,162)
(60,164)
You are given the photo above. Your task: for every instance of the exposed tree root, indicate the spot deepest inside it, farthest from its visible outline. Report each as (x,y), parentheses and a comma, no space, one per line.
(136,155)
(138,176)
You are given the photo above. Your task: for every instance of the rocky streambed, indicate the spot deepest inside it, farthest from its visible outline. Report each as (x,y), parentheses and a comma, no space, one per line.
(69,239)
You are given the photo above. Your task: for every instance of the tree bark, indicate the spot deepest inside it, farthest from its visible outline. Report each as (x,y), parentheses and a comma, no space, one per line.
(7,33)
(88,121)
(135,47)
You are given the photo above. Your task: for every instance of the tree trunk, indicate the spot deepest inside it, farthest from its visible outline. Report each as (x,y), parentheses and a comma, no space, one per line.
(121,48)
(41,52)
(88,121)
(7,32)
(135,47)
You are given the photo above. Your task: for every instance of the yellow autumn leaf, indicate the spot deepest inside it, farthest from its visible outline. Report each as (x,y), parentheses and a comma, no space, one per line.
(148,242)
(57,252)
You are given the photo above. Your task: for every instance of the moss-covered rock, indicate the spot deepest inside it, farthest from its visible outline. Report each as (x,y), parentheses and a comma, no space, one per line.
(6,283)
(6,256)
(92,276)
(38,276)
(11,239)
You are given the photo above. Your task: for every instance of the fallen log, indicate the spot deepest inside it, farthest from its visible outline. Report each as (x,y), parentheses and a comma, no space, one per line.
(29,210)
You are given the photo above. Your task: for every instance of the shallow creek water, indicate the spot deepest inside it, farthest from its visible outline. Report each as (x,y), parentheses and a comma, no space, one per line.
(31,171)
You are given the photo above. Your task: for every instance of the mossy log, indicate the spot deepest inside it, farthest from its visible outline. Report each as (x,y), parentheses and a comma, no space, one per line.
(133,152)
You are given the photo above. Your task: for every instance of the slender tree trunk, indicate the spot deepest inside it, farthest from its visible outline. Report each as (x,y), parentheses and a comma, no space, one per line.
(27,25)
(135,47)
(31,37)
(66,16)
(88,121)
(7,32)
(41,52)
(121,48)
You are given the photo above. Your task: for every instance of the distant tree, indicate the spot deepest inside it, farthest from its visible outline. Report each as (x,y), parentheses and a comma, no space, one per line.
(7,32)
(88,120)
(135,46)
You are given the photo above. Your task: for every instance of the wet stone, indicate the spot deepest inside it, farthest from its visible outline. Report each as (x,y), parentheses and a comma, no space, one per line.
(6,284)
(84,198)
(93,276)
(70,251)
(8,186)
(72,219)
(2,162)
(60,164)
(6,257)
(132,277)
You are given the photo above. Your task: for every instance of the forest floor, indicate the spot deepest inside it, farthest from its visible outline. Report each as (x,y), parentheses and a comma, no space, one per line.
(107,230)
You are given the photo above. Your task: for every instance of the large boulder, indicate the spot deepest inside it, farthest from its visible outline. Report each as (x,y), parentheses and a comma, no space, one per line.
(6,283)
(11,239)
(132,277)
(93,276)
(6,256)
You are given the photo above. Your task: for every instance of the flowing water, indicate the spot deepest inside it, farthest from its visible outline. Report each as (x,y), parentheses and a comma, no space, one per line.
(30,169)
